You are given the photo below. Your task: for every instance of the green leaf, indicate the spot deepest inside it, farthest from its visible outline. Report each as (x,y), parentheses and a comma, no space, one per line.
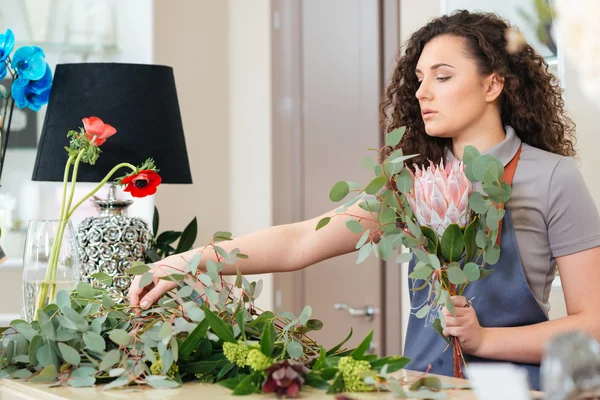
(432,239)
(85,290)
(364,252)
(393,138)
(491,254)
(46,325)
(370,205)
(64,322)
(469,238)
(322,223)
(146,279)
(221,251)
(456,275)
(486,272)
(385,248)
(354,226)
(267,340)
(188,237)
(168,237)
(452,243)
(155,221)
(404,258)
(337,385)
(363,239)
(250,384)
(219,327)
(295,349)
(423,311)
(437,325)
(162,384)
(22,374)
(49,373)
(359,352)
(69,354)
(334,349)
(137,268)
(448,302)
(404,181)
(421,273)
(493,172)
(116,383)
(481,239)
(470,153)
(94,341)
(368,163)
(305,315)
(414,228)
(339,191)
(376,184)
(478,203)
(193,340)
(481,164)
(35,343)
(110,359)
(472,272)
(120,337)
(82,381)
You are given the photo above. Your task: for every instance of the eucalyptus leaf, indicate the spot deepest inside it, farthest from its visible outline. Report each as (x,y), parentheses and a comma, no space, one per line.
(295,349)
(363,253)
(94,341)
(423,311)
(470,153)
(404,257)
(472,271)
(404,181)
(385,248)
(322,223)
(339,191)
(146,279)
(368,163)
(185,291)
(478,203)
(192,266)
(212,295)
(110,359)
(456,275)
(414,228)
(376,184)
(491,254)
(354,226)
(370,205)
(363,239)
(421,273)
(305,315)
(137,268)
(393,138)
(120,337)
(85,290)
(481,239)
(69,354)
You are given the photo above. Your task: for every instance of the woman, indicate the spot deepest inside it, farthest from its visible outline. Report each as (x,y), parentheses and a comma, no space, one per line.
(458,85)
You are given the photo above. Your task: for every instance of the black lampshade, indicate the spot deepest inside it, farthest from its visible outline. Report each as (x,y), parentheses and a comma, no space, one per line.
(139,100)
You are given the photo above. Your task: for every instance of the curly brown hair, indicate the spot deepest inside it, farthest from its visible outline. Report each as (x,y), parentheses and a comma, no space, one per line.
(531,100)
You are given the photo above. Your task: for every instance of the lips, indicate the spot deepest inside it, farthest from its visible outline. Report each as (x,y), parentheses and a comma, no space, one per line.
(428,113)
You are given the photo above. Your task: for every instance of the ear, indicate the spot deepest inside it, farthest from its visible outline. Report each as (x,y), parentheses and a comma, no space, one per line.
(493,85)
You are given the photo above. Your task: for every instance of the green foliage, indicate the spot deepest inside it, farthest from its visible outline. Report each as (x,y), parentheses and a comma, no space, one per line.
(163,244)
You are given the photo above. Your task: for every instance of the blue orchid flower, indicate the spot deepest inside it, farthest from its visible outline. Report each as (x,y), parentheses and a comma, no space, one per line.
(29,62)
(32,94)
(7,44)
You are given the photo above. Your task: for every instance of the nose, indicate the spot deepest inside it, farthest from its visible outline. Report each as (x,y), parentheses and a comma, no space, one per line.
(423,92)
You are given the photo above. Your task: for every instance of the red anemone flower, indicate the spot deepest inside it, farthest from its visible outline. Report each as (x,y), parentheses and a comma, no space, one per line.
(143,183)
(94,126)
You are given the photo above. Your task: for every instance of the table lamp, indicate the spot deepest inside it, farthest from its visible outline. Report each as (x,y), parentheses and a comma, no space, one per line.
(140,101)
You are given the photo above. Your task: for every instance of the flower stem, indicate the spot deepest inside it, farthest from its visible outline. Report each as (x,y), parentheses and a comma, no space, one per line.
(106,178)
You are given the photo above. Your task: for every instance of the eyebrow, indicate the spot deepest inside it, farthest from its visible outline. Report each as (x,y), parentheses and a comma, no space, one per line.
(435,66)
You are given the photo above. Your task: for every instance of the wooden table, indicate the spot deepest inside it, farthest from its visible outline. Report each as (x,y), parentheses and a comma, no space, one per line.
(22,390)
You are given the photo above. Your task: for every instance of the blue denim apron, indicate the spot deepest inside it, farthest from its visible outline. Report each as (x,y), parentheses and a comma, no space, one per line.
(502,299)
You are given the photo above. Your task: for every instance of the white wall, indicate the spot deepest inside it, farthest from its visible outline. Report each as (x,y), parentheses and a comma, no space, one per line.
(250,124)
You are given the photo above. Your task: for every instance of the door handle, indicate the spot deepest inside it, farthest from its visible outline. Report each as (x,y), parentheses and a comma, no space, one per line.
(367,311)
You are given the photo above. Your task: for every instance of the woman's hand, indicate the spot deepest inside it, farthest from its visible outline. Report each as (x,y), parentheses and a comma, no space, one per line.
(151,293)
(464,326)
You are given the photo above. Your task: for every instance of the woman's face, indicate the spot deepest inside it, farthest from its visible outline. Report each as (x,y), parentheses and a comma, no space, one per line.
(452,94)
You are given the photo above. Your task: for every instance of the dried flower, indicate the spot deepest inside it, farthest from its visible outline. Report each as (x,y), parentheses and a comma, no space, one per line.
(285,378)
(440,196)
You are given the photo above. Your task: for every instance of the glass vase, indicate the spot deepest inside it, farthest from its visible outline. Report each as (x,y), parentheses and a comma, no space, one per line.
(50,264)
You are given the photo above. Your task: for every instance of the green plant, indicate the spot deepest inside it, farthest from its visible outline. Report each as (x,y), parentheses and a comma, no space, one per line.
(162,244)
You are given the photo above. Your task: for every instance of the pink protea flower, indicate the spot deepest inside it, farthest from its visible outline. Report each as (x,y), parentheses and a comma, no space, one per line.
(440,196)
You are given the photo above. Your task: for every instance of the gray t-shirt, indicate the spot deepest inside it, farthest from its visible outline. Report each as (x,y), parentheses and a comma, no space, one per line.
(552,210)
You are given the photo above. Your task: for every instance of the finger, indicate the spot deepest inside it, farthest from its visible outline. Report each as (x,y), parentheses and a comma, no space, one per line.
(459,301)
(452,321)
(153,295)
(135,291)
(452,331)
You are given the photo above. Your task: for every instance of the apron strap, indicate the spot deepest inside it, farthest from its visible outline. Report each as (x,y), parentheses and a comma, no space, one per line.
(507,176)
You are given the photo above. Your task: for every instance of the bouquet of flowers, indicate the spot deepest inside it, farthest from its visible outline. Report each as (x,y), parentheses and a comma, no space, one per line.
(32,81)
(451,229)
(84,147)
